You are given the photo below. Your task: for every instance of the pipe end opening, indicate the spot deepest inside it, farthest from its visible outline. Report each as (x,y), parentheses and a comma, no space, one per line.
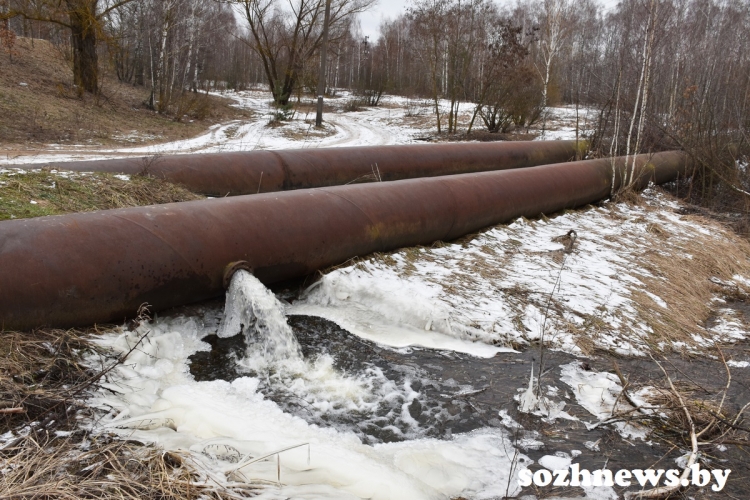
(232,268)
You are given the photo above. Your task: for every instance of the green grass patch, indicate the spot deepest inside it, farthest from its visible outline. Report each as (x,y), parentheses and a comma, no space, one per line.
(38,193)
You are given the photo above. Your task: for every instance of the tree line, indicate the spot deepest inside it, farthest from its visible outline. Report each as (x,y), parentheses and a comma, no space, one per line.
(176,46)
(659,73)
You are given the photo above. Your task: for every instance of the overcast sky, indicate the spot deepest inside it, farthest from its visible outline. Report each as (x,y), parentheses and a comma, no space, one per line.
(384,9)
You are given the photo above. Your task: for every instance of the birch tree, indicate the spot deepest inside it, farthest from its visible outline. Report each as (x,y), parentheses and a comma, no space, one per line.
(555,28)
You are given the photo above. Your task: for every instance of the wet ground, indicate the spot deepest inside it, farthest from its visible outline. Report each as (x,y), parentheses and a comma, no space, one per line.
(459,393)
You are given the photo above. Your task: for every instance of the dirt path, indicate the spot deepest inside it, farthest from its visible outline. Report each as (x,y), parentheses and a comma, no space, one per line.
(368,127)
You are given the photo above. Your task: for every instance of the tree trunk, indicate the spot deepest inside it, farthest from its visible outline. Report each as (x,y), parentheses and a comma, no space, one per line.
(83,38)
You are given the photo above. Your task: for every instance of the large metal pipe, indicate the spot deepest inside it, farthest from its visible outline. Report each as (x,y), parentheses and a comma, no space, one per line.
(94,267)
(251,172)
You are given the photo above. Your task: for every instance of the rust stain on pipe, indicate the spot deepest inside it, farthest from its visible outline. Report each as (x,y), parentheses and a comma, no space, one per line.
(94,267)
(251,172)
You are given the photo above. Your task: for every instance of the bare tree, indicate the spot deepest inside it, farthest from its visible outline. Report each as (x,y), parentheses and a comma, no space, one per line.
(84,20)
(555,28)
(507,95)
(429,19)
(286,39)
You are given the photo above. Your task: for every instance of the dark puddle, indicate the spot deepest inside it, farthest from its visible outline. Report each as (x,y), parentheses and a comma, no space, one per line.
(460,393)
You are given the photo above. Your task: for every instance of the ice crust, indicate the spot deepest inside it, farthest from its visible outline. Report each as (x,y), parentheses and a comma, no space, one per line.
(598,393)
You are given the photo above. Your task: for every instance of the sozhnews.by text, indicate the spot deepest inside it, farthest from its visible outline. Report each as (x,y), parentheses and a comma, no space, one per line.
(575,476)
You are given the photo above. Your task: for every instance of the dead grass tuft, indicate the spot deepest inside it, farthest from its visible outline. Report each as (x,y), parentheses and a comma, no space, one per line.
(39,372)
(311,132)
(702,409)
(40,193)
(44,467)
(628,195)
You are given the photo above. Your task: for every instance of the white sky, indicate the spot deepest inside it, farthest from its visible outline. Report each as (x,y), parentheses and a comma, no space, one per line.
(384,9)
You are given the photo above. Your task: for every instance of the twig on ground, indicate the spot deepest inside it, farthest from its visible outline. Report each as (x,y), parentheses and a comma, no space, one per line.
(573,235)
(8,411)
(664,491)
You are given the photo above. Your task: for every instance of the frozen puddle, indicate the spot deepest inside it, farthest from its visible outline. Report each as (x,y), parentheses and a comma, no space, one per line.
(368,430)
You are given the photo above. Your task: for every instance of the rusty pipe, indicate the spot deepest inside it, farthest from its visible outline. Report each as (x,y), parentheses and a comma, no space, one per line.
(86,268)
(251,172)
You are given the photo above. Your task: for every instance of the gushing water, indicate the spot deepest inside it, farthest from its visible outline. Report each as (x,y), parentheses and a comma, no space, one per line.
(253,310)
(275,357)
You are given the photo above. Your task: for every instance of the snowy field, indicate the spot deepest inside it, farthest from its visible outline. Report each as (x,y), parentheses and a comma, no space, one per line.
(397,120)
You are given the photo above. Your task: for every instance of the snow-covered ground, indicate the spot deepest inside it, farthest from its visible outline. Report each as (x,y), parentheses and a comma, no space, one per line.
(374,126)
(397,120)
(514,284)
(562,122)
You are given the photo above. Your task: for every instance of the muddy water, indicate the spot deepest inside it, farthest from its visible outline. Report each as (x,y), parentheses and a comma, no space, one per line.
(459,393)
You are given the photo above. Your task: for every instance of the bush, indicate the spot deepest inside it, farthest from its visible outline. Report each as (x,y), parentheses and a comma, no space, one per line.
(282,113)
(353,105)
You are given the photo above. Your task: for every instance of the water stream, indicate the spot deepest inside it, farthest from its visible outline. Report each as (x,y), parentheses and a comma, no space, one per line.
(436,394)
(260,381)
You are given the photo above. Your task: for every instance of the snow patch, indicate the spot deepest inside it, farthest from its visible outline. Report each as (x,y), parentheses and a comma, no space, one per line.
(514,285)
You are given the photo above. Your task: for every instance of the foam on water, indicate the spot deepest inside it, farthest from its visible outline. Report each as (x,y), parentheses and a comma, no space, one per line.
(390,312)
(328,396)
(154,398)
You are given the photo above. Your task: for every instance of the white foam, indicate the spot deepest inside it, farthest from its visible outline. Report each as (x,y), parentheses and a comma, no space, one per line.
(559,461)
(390,311)
(153,398)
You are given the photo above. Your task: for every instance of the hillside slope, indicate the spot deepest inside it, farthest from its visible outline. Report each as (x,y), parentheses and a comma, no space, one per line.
(40,105)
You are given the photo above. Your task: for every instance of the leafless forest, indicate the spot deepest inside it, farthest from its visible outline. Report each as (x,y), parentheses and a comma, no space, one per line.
(661,74)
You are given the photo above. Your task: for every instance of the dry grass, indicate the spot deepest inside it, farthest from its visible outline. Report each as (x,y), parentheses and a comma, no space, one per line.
(675,409)
(54,194)
(701,406)
(421,122)
(46,108)
(485,136)
(682,278)
(38,373)
(59,468)
(45,455)
(310,132)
